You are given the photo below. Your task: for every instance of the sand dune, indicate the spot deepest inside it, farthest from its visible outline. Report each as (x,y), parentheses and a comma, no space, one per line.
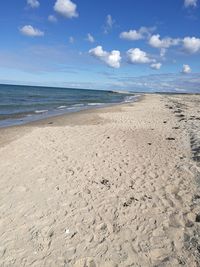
(112,187)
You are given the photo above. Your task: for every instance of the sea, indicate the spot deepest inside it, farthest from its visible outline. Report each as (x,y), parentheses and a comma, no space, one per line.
(20,104)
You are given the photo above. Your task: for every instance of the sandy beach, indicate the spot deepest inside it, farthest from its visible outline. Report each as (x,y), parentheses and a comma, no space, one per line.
(112,187)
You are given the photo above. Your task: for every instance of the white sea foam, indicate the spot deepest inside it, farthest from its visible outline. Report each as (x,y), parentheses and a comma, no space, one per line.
(95,104)
(131,98)
(78,105)
(61,107)
(41,111)
(71,108)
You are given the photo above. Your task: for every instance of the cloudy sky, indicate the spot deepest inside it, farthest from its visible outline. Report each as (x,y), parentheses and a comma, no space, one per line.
(101,44)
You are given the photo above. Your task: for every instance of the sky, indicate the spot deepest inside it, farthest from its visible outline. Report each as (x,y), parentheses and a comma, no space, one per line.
(139,45)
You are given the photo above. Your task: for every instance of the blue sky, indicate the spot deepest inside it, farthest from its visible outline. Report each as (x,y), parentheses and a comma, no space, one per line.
(107,44)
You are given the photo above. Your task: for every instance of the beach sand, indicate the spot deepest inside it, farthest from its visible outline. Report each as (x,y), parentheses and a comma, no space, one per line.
(116,186)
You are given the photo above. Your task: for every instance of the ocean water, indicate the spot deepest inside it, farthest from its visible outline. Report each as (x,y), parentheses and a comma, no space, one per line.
(22,104)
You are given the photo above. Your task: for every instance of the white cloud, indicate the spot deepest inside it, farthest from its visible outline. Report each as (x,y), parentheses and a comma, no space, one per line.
(166,42)
(188,3)
(109,23)
(186,69)
(52,18)
(71,40)
(98,51)
(133,35)
(66,8)
(135,55)
(147,31)
(112,59)
(156,66)
(191,44)
(28,30)
(33,3)
(90,38)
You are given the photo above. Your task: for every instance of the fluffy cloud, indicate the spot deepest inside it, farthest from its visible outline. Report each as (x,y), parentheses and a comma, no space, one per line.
(133,35)
(191,44)
(156,42)
(66,8)
(28,30)
(52,18)
(112,59)
(188,3)
(109,24)
(33,3)
(98,51)
(90,38)
(135,55)
(186,69)
(156,66)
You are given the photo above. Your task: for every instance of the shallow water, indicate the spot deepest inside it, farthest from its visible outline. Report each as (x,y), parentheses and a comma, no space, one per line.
(22,104)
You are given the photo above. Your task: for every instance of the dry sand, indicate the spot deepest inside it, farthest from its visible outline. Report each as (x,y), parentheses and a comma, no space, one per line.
(111,187)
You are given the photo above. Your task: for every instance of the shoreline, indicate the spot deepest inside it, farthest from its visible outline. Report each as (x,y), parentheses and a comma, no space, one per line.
(71,118)
(43,116)
(115,186)
(34,118)
(40,103)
